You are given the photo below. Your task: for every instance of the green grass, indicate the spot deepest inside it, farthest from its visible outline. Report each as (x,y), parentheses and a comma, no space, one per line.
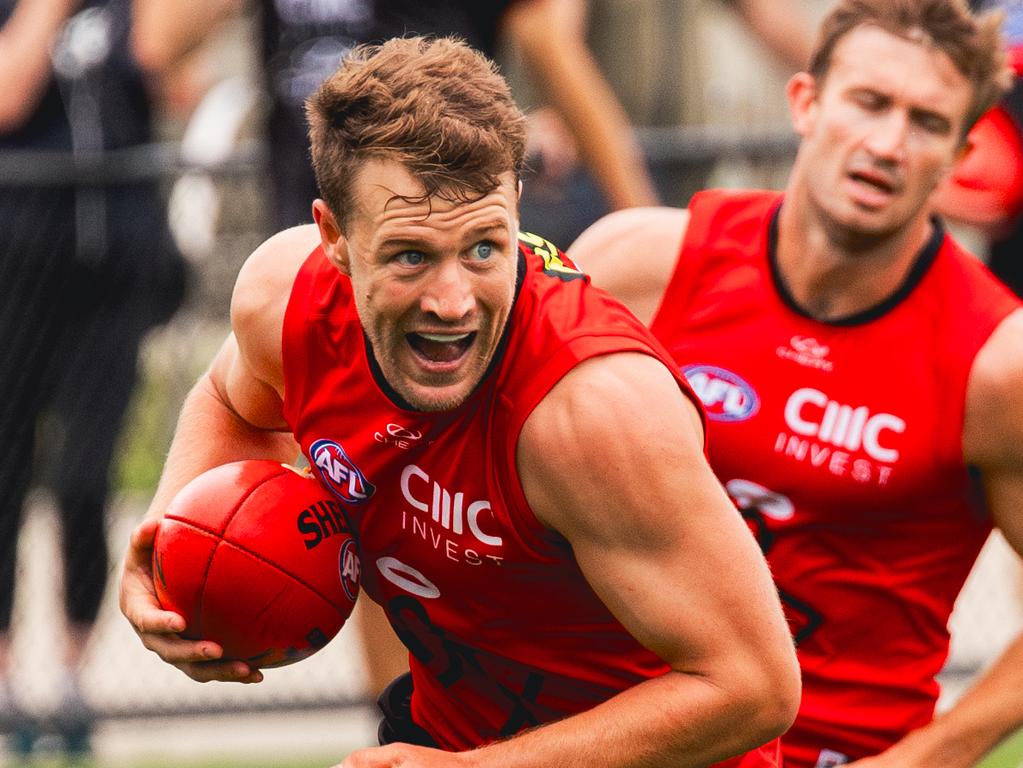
(1008,754)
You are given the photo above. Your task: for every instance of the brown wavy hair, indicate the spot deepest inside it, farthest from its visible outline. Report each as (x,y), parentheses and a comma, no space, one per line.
(435,105)
(973,42)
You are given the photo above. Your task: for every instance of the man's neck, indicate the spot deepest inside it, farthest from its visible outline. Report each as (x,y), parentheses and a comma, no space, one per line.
(831,280)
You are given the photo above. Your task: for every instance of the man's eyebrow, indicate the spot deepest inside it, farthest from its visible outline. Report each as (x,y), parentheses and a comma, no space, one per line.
(488,225)
(406,242)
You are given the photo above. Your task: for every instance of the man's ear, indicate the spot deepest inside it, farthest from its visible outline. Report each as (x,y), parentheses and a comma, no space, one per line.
(334,244)
(801,92)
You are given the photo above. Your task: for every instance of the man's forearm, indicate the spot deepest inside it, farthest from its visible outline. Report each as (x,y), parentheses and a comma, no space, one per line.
(675,720)
(209,434)
(576,88)
(987,713)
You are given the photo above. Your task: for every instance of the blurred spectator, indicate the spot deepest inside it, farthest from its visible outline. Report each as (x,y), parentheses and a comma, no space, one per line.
(85,272)
(985,189)
(302,43)
(663,61)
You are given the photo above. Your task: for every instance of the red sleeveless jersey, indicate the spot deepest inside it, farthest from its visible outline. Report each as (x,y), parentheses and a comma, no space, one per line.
(842,445)
(503,629)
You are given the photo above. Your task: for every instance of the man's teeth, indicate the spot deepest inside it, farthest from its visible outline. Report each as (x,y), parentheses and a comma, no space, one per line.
(444,338)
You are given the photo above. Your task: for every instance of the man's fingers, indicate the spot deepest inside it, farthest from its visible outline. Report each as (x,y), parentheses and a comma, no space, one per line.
(199,659)
(177,650)
(222,671)
(144,533)
(151,619)
(141,607)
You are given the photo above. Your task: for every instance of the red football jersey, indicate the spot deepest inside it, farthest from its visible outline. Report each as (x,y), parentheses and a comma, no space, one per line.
(842,445)
(504,631)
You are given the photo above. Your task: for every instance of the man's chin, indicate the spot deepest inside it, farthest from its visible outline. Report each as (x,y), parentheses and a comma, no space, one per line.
(432,398)
(856,228)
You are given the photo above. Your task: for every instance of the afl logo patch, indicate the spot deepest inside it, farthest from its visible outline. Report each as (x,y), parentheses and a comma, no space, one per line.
(349,568)
(339,472)
(725,396)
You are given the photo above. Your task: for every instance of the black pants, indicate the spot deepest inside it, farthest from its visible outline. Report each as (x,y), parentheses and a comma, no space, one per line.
(70,330)
(397,726)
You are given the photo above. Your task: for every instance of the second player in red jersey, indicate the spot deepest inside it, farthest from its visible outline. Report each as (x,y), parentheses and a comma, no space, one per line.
(862,377)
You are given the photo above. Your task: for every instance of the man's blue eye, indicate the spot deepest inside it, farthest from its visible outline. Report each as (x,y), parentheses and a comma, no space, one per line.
(410,258)
(483,251)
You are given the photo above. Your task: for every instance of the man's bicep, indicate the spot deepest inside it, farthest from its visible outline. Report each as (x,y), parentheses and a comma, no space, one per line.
(243,390)
(250,365)
(993,430)
(650,526)
(1005,500)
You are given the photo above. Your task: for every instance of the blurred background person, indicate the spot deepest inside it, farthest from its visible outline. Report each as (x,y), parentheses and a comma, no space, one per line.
(85,272)
(301,43)
(985,191)
(705,67)
(783,306)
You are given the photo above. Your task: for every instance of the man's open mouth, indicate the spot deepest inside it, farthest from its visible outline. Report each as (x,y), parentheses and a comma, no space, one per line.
(441,347)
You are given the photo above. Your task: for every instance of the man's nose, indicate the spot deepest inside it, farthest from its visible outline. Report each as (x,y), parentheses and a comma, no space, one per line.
(449,296)
(887,137)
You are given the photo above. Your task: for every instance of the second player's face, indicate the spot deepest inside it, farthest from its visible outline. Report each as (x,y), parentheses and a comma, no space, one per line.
(881,130)
(433,279)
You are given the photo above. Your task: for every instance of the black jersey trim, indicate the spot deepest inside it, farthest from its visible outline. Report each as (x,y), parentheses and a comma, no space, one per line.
(923,262)
(502,346)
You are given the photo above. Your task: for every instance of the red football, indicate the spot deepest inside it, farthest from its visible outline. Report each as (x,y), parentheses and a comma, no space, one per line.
(257,556)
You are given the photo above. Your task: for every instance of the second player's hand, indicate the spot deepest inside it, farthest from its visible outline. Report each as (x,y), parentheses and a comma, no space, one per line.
(404,756)
(158,629)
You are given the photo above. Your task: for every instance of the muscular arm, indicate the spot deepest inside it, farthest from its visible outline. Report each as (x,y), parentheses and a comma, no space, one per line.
(993,442)
(632,255)
(551,36)
(232,413)
(25,66)
(660,543)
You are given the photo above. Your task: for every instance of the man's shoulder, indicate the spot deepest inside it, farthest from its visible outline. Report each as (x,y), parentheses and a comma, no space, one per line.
(263,290)
(269,272)
(1000,361)
(994,423)
(714,209)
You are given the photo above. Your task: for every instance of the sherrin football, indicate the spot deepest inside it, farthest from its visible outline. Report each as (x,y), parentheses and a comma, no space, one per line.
(257,556)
